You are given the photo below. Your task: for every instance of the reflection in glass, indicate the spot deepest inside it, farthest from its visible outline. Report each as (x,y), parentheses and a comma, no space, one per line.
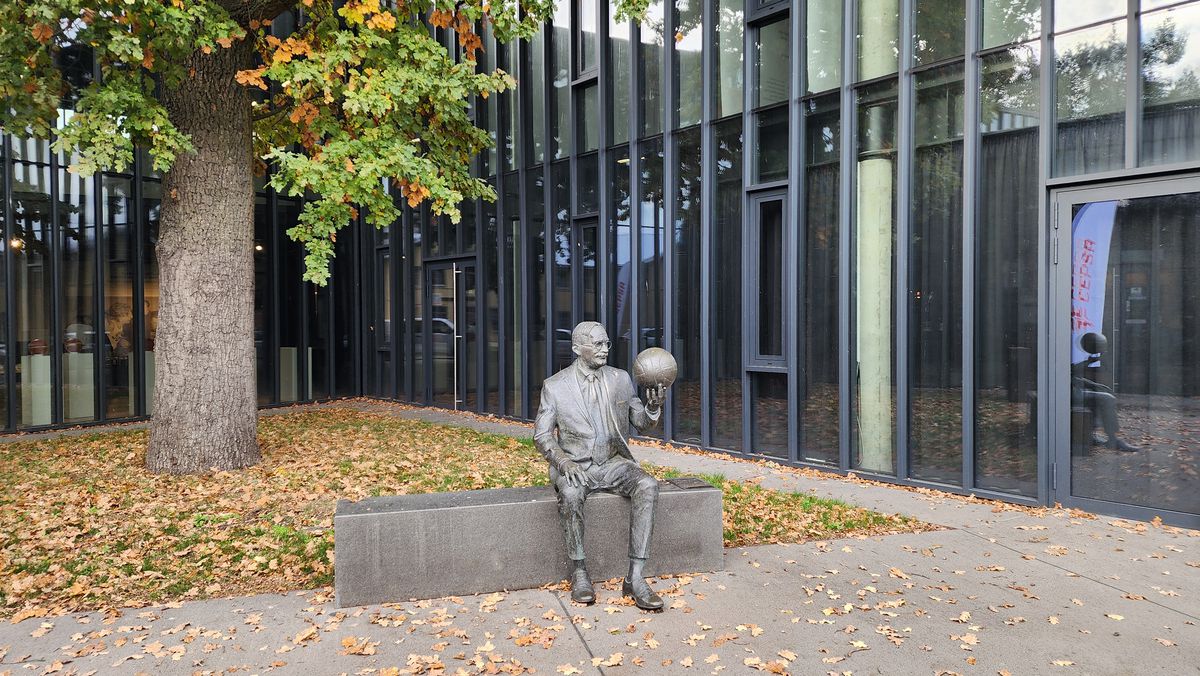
(491,108)
(151,209)
(686,252)
(823,49)
(535,82)
(936,278)
(727,66)
(77,272)
(940,27)
(1008,21)
(588,253)
(515,312)
(878,38)
(587,185)
(651,245)
(819,362)
(589,118)
(1006,269)
(872,290)
(1135,370)
(689,48)
(620,61)
(29,240)
(491,301)
(560,66)
(1171,85)
(319,324)
(417,335)
(588,40)
(726,287)
(509,99)
(769,263)
(536,209)
(560,177)
(621,239)
(1070,14)
(771,64)
(770,421)
(649,65)
(291,321)
(771,145)
(1090,84)
(116,341)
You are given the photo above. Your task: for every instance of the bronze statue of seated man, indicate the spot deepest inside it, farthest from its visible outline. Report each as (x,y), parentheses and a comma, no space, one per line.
(582,430)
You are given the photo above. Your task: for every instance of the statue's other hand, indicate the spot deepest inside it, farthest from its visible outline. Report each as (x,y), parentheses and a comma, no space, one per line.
(655,396)
(573,473)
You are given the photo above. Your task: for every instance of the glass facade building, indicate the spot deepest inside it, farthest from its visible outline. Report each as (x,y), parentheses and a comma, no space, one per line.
(939,243)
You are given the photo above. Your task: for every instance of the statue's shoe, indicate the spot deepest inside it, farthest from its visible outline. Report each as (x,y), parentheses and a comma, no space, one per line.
(581,588)
(642,594)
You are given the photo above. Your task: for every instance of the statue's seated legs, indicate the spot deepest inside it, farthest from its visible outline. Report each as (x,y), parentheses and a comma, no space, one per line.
(623,477)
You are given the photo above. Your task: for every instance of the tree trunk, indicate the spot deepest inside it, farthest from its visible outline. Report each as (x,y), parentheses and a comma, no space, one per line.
(205,403)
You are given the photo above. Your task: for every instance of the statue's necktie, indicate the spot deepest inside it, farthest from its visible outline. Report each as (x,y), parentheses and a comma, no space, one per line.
(596,414)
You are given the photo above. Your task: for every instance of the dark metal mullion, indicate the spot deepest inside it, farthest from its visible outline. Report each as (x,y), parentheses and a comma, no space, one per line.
(1133,85)
(669,195)
(1046,427)
(10,294)
(794,317)
(276,297)
(707,191)
(399,294)
(749,303)
(848,134)
(971,141)
(403,246)
(901,304)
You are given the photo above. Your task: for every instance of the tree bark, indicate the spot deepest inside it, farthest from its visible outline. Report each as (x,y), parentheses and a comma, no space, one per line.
(205,401)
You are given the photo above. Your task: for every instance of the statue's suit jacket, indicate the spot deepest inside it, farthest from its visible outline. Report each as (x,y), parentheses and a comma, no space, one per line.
(563,407)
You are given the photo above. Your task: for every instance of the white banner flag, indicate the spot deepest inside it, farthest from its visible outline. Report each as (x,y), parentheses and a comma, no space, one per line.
(1091,239)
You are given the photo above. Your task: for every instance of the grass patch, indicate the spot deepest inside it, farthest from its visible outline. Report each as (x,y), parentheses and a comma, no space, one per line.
(83,526)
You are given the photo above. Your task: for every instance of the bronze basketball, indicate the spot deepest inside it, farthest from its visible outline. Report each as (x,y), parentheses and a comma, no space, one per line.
(654,366)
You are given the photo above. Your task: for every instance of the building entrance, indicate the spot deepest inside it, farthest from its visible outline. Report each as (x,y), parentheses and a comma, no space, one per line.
(451,317)
(1126,345)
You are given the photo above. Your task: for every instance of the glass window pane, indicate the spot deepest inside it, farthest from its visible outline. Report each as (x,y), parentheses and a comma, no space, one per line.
(151,209)
(490,248)
(560,176)
(291,321)
(589,118)
(1006,260)
(728,64)
(1070,14)
(821,358)
(1090,83)
(620,55)
(878,38)
(535,82)
(770,431)
(514,319)
(117,219)
(650,56)
(1134,372)
(769,262)
(538,327)
(491,107)
(77,253)
(1007,21)
(726,287)
(509,99)
(771,145)
(587,185)
(651,244)
(1171,85)
(588,252)
(687,255)
(771,64)
(588,36)
(560,122)
(823,51)
(29,240)
(621,241)
(872,287)
(940,27)
(935,279)
(263,303)
(689,48)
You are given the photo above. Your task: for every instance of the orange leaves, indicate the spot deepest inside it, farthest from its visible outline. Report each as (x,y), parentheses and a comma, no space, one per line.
(42,33)
(441,18)
(252,78)
(283,51)
(414,192)
(384,21)
(305,112)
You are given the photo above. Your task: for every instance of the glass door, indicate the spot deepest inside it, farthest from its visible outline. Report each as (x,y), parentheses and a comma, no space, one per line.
(450,341)
(1126,347)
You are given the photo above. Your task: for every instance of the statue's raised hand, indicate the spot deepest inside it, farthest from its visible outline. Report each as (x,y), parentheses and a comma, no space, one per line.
(655,396)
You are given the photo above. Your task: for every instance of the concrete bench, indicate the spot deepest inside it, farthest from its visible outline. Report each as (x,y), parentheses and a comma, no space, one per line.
(395,548)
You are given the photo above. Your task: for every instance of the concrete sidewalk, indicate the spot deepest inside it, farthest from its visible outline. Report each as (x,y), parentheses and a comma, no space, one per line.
(1007,591)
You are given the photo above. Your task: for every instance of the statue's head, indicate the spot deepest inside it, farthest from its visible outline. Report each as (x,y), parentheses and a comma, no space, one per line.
(590,342)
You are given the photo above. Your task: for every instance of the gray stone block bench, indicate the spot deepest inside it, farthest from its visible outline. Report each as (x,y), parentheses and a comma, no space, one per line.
(395,548)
